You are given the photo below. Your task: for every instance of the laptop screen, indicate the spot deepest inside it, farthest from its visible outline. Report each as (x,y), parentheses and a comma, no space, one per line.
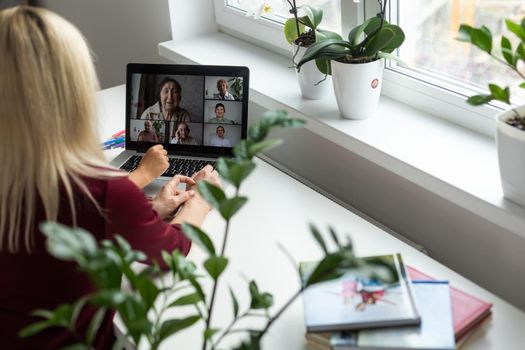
(191,110)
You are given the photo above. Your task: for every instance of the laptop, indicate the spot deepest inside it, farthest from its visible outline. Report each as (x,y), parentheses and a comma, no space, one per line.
(197,112)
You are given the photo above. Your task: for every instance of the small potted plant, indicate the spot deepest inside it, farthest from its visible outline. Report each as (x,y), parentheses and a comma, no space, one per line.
(301,31)
(356,64)
(510,135)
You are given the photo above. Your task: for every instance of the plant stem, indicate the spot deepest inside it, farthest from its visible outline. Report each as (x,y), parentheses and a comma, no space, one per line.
(230,326)
(294,9)
(215,284)
(278,314)
(508,65)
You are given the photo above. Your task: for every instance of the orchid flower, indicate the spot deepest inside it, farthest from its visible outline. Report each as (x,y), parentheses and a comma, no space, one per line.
(258,8)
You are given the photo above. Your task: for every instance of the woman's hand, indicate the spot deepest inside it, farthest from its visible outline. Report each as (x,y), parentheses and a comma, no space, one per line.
(195,209)
(153,164)
(170,198)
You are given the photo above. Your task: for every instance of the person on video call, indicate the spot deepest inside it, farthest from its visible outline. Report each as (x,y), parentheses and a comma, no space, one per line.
(219,115)
(223,94)
(220,140)
(167,105)
(66,179)
(182,135)
(148,134)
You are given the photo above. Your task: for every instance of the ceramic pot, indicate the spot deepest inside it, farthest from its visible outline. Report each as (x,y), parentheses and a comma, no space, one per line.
(308,76)
(511,157)
(357,87)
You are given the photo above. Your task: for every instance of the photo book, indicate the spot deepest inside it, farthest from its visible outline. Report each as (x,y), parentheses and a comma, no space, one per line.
(436,331)
(378,294)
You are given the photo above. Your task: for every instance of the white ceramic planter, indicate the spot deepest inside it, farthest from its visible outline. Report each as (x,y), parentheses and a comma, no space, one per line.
(309,76)
(511,157)
(357,88)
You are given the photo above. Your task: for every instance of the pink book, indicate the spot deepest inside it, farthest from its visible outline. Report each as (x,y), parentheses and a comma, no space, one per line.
(467,310)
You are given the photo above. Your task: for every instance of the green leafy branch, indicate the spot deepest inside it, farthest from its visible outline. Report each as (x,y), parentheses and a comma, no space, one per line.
(482,38)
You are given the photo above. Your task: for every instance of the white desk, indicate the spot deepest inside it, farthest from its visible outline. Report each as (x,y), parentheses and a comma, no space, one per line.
(278,210)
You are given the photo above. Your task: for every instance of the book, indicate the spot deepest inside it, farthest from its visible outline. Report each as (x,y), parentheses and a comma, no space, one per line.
(360,299)
(467,310)
(436,331)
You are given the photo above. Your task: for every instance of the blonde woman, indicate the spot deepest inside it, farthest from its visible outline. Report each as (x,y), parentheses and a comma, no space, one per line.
(49,83)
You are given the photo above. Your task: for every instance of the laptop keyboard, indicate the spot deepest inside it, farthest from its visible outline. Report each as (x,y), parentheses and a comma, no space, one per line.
(178,166)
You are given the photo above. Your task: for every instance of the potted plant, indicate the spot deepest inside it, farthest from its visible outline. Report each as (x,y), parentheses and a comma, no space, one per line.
(301,31)
(510,135)
(356,63)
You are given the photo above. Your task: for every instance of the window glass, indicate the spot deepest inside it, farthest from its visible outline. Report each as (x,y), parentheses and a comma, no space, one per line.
(431,27)
(331,10)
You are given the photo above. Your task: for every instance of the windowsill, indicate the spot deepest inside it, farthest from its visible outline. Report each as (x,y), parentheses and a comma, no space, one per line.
(450,161)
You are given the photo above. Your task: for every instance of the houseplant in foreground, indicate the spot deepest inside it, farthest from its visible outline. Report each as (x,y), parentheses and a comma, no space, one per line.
(301,31)
(142,306)
(356,63)
(510,135)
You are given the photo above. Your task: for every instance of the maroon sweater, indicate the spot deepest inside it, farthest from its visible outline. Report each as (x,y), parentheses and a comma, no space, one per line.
(39,281)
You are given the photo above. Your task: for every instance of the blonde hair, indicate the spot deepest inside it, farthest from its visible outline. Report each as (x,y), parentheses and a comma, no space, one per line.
(48,133)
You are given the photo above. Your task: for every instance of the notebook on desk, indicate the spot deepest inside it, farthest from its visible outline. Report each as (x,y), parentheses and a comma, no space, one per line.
(198,113)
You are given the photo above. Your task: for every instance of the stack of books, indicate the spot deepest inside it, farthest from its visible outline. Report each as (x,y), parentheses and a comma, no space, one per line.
(409,310)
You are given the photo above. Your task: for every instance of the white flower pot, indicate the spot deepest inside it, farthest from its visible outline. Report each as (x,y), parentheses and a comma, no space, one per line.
(511,157)
(308,76)
(357,87)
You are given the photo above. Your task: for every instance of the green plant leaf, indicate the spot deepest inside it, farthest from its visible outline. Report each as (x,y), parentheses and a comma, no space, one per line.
(229,207)
(94,325)
(210,332)
(241,149)
(314,16)
(109,298)
(356,34)
(134,316)
(397,40)
(482,38)
(506,51)
(211,193)
(67,243)
(263,146)
(235,303)
(147,290)
(198,236)
(189,299)
(215,265)
(321,34)
(290,30)
(316,50)
(326,270)
(379,41)
(516,29)
(35,328)
(499,93)
(522,85)
(317,235)
(478,100)
(324,66)
(465,33)
(333,234)
(234,170)
(173,326)
(520,52)
(198,288)
(259,300)
(42,313)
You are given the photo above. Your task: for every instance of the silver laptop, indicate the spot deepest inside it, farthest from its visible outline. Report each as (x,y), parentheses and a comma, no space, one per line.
(198,113)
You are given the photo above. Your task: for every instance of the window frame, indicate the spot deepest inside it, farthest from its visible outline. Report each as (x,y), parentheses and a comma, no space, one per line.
(446,101)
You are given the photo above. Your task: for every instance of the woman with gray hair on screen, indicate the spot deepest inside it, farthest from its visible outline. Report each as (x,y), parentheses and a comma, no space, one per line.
(64,177)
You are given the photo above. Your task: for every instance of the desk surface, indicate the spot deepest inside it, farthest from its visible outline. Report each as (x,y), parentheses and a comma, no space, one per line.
(279,210)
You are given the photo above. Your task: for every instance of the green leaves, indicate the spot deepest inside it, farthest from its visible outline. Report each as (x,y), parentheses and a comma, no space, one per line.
(199,237)
(234,171)
(216,197)
(259,300)
(499,93)
(517,29)
(290,30)
(235,304)
(215,265)
(480,37)
(189,299)
(313,17)
(173,326)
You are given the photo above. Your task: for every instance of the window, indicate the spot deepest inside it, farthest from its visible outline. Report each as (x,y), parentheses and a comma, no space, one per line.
(431,27)
(439,72)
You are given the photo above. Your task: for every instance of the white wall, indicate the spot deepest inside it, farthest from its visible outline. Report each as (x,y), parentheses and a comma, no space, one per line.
(119,31)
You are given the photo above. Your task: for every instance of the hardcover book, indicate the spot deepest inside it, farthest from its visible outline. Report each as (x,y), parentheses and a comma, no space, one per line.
(467,310)
(377,295)
(435,332)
